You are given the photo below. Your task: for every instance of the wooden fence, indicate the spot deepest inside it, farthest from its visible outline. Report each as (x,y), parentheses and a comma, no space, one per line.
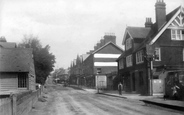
(19,104)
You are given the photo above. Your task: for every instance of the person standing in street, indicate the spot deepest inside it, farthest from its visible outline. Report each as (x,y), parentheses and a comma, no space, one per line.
(120,87)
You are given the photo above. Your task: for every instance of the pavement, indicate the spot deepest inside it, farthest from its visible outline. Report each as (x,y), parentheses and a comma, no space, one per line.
(156,99)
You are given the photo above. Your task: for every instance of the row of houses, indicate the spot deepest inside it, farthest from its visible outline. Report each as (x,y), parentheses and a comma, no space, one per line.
(150,52)
(17,72)
(101,60)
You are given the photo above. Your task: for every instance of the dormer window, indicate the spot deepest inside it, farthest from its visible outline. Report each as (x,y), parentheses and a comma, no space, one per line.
(177,34)
(128,44)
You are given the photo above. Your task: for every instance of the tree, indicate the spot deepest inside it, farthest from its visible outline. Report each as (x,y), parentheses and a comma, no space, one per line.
(58,72)
(2,39)
(43,59)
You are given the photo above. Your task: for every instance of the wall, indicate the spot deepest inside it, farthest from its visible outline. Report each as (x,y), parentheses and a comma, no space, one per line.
(19,104)
(5,106)
(88,65)
(171,50)
(8,81)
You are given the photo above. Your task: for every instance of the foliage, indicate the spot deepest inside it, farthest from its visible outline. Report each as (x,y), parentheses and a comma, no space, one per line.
(58,72)
(43,59)
(2,39)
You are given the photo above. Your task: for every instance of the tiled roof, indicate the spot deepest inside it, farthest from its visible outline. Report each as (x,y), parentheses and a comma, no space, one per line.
(138,32)
(107,45)
(15,59)
(154,31)
(171,14)
(7,44)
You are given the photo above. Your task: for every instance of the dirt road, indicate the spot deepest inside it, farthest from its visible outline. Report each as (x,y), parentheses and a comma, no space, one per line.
(68,101)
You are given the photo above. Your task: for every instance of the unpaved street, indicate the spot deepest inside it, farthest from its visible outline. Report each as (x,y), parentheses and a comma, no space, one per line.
(68,101)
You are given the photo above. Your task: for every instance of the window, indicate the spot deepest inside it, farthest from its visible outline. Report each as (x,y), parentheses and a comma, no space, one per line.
(177,34)
(181,78)
(128,44)
(157,54)
(139,57)
(99,70)
(129,60)
(22,80)
(121,66)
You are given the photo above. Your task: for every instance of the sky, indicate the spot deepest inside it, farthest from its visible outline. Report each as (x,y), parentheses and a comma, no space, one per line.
(74,27)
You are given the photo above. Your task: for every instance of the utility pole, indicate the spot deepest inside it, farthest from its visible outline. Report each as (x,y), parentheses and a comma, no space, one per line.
(150,56)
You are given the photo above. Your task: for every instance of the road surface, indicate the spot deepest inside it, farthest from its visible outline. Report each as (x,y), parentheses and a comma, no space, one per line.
(68,101)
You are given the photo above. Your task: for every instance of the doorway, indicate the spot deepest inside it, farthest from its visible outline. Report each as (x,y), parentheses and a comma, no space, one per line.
(133,82)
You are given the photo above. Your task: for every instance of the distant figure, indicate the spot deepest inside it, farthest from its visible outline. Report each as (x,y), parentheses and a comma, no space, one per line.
(175,92)
(120,87)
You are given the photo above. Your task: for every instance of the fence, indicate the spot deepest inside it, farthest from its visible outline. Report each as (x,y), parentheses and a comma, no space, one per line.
(19,104)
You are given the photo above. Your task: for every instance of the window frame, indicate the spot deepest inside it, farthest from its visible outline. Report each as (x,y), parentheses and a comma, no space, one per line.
(139,57)
(129,62)
(177,36)
(128,44)
(159,53)
(23,81)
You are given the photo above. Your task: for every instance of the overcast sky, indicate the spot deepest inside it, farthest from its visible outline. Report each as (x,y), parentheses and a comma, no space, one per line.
(74,27)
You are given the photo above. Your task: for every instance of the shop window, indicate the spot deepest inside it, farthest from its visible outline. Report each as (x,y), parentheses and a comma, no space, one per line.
(181,78)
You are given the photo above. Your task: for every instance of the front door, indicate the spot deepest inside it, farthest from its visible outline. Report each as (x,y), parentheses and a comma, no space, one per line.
(133,82)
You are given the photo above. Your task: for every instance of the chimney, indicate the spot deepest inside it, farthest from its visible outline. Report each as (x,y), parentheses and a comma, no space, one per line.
(160,13)
(148,23)
(109,37)
(95,48)
(98,45)
(102,42)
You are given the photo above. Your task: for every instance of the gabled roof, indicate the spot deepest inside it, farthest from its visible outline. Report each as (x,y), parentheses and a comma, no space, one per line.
(154,34)
(15,59)
(121,56)
(104,47)
(169,18)
(107,45)
(7,45)
(136,32)
(85,56)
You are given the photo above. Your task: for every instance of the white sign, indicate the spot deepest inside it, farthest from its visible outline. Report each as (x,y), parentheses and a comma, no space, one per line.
(101,81)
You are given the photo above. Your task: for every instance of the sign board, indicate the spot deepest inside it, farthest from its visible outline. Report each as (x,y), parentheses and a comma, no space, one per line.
(101,81)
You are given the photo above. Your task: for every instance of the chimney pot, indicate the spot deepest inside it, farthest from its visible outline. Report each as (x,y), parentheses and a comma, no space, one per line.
(148,22)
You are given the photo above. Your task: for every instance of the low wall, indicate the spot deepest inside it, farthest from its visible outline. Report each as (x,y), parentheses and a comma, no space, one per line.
(6,106)
(19,104)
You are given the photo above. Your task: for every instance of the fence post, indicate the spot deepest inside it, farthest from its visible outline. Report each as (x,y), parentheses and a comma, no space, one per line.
(14,104)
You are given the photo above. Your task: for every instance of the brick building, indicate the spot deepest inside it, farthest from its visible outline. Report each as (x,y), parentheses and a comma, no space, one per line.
(102,58)
(152,50)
